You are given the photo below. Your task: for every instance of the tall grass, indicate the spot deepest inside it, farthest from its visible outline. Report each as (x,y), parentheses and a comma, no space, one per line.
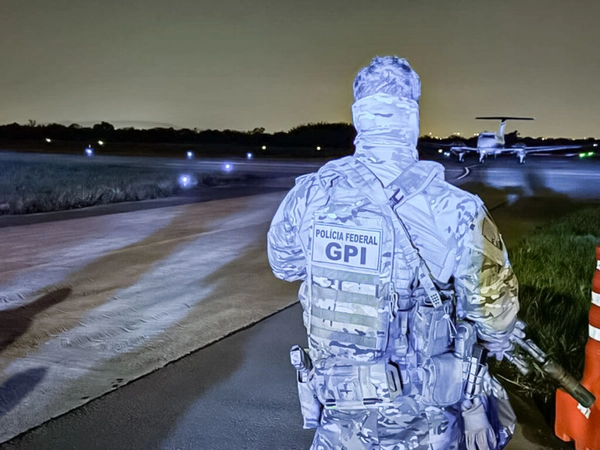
(555,265)
(32,187)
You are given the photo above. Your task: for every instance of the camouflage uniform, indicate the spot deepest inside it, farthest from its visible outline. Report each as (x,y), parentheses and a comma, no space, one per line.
(453,233)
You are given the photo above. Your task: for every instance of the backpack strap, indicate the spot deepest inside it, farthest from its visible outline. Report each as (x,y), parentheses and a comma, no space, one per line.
(363,179)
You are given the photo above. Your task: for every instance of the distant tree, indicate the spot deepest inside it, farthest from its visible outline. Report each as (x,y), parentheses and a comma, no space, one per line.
(511,138)
(104,127)
(32,123)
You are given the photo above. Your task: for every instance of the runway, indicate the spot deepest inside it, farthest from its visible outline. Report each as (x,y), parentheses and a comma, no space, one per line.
(97,302)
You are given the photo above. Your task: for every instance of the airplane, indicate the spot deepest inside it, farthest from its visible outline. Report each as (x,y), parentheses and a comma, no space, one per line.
(490,143)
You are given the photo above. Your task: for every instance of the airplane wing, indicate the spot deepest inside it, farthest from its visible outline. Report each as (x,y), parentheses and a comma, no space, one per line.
(463,149)
(552,148)
(456,147)
(543,148)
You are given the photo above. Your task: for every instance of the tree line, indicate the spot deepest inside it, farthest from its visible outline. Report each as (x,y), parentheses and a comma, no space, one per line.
(332,135)
(328,136)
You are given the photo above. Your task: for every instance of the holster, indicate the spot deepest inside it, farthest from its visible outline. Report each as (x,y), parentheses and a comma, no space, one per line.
(310,406)
(309,403)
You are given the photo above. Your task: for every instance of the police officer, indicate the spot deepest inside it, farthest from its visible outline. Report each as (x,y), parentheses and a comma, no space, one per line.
(392,257)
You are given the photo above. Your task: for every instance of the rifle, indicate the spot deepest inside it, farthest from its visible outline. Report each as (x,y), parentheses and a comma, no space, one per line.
(548,366)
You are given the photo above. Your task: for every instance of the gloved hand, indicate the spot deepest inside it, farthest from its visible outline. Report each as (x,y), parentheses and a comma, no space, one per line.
(498,347)
(479,434)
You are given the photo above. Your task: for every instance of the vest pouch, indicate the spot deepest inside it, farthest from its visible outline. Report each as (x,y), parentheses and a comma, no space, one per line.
(359,386)
(432,328)
(442,380)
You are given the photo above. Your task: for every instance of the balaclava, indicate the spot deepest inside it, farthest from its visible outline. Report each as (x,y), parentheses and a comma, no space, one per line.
(386,116)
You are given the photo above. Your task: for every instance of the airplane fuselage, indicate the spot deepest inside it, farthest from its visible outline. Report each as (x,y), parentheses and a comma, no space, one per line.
(490,143)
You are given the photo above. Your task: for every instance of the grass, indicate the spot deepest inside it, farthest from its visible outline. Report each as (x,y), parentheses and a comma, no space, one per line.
(555,266)
(31,187)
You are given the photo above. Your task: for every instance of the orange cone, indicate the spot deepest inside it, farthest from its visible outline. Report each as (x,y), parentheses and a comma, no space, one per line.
(574,423)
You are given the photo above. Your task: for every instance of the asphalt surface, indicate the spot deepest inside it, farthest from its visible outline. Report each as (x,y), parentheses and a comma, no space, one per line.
(239,393)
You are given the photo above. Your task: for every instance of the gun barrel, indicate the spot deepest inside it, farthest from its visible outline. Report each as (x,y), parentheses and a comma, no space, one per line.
(569,384)
(518,362)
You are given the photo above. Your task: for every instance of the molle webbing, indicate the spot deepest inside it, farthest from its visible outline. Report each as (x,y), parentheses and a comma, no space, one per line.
(339,297)
(346,317)
(344,275)
(365,341)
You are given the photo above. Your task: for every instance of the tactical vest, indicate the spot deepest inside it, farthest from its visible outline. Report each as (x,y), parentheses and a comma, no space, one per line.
(352,251)
(356,307)
(350,270)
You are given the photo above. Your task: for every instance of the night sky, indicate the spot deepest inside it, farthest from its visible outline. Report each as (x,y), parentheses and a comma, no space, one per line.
(240,64)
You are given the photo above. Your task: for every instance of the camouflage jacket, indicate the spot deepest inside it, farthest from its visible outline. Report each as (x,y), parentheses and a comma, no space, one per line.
(451,228)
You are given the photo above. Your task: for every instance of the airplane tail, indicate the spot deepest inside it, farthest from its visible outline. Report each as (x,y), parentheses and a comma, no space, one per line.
(503,120)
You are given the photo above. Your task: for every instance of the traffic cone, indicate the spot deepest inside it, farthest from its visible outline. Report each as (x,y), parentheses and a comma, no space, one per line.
(573,422)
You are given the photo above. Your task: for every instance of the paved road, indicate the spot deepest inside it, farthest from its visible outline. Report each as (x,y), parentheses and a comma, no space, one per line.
(239,393)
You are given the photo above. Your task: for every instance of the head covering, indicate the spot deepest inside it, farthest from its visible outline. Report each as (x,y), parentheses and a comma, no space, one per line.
(386,116)
(388,75)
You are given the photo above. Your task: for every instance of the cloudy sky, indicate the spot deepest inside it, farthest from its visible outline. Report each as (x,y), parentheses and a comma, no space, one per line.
(242,64)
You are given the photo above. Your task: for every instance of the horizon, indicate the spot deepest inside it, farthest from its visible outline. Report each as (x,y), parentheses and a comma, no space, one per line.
(90,125)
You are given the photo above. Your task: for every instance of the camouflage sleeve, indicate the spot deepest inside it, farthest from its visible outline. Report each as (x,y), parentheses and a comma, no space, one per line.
(285,239)
(486,286)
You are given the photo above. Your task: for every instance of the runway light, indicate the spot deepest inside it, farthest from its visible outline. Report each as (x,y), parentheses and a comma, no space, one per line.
(249,155)
(264,147)
(440,151)
(190,155)
(595,145)
(318,148)
(227,167)
(187,181)
(89,152)
(590,154)
(48,140)
(100,142)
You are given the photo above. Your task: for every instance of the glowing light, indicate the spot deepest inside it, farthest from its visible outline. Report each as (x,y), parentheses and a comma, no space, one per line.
(318,148)
(100,142)
(187,181)
(264,147)
(590,154)
(48,140)
(227,167)
(249,155)
(89,152)
(440,150)
(595,145)
(190,155)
